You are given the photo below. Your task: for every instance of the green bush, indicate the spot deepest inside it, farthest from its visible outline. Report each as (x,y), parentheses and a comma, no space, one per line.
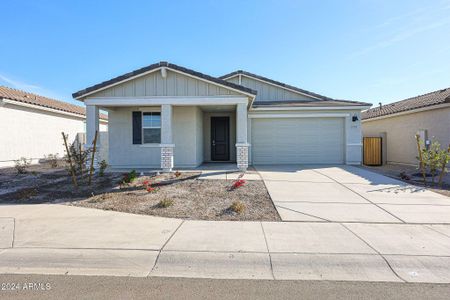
(102,167)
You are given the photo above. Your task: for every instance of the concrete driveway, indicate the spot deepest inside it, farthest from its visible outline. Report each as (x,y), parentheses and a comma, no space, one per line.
(350,194)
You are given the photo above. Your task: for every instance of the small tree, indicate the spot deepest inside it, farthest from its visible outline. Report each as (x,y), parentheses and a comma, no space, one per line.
(80,158)
(434,159)
(445,158)
(102,167)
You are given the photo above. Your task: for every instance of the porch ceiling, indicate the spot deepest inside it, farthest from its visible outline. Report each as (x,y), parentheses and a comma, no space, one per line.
(218,108)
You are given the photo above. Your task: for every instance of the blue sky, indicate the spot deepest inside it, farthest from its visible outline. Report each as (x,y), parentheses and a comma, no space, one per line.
(368,50)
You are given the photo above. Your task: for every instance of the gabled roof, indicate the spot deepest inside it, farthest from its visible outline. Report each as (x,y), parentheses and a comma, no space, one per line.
(34,99)
(156,66)
(280,84)
(422,101)
(332,101)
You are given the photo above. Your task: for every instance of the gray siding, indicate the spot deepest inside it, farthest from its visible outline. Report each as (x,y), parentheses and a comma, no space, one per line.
(199,135)
(186,137)
(268,92)
(153,84)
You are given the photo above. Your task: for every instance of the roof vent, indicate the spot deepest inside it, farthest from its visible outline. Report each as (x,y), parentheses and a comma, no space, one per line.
(380,105)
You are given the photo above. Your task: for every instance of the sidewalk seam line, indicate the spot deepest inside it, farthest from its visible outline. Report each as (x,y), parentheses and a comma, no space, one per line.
(270,196)
(268,252)
(303,213)
(378,252)
(159,252)
(14,233)
(373,203)
(437,231)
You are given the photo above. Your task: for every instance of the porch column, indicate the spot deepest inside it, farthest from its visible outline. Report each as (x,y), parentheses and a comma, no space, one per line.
(92,125)
(242,145)
(166,138)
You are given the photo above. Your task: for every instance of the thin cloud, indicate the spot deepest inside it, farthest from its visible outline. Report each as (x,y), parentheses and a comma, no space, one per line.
(19,84)
(32,88)
(411,23)
(400,36)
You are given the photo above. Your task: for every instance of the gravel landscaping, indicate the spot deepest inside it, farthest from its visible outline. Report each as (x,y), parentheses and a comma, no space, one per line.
(412,175)
(167,195)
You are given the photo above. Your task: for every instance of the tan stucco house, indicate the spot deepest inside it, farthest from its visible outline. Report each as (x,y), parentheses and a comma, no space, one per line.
(167,116)
(398,123)
(31,125)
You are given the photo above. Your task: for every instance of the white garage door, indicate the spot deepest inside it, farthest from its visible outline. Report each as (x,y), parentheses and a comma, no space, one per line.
(298,140)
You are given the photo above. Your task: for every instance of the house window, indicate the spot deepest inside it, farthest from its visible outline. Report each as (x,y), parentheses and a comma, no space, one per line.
(151,127)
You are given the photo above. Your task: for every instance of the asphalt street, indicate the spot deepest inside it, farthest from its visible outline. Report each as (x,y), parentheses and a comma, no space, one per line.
(100,287)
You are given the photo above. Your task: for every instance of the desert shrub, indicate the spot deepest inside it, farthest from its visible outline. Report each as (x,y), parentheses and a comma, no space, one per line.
(164,203)
(21,165)
(434,159)
(177,174)
(129,177)
(27,193)
(237,207)
(52,160)
(102,167)
(405,176)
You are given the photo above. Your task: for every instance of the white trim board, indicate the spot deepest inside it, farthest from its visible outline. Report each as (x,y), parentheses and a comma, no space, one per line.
(158,69)
(277,116)
(148,101)
(38,107)
(293,108)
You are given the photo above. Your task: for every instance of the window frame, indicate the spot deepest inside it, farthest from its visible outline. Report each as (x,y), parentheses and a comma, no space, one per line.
(151,127)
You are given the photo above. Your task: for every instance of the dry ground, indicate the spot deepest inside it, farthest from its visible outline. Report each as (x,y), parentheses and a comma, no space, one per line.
(191,198)
(394,171)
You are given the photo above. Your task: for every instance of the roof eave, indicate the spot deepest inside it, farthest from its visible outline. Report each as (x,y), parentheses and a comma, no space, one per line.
(80,95)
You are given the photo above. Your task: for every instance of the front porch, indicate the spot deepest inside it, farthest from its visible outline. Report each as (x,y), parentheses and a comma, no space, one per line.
(165,135)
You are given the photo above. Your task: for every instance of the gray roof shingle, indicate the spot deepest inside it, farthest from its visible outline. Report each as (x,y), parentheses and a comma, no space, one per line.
(331,101)
(156,66)
(421,101)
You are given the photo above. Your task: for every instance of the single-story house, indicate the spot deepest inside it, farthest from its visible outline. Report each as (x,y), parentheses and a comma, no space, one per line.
(167,116)
(31,125)
(398,123)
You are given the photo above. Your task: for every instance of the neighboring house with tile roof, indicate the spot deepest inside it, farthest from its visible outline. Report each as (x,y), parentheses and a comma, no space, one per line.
(398,123)
(167,116)
(31,125)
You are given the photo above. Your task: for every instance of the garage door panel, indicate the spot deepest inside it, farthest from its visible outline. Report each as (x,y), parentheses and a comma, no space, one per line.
(298,140)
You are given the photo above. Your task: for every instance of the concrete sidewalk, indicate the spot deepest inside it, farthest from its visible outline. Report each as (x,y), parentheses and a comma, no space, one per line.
(59,239)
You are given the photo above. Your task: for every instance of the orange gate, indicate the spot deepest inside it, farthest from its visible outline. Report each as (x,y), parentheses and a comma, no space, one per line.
(372,151)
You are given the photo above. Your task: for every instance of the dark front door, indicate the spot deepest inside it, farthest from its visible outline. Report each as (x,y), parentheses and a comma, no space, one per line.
(220,138)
